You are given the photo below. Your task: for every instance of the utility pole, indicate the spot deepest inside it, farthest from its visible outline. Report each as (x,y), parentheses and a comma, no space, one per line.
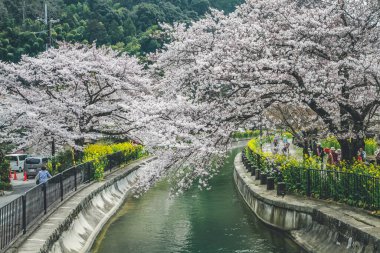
(46,13)
(48,23)
(23,11)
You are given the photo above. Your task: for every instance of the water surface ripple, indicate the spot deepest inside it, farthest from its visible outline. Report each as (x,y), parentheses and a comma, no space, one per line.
(197,221)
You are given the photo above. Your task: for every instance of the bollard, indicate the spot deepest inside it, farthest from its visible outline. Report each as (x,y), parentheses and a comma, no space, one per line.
(270,183)
(253,171)
(245,161)
(257,174)
(249,166)
(263,179)
(281,189)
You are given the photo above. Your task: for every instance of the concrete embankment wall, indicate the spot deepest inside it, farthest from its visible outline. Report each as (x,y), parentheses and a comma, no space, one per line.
(316,226)
(78,231)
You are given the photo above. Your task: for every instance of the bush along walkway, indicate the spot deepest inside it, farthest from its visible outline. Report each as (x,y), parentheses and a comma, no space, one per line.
(356,185)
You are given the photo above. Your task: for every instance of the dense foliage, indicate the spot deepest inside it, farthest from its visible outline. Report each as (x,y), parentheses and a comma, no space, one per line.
(80,93)
(216,75)
(98,154)
(356,184)
(128,26)
(319,55)
(245,134)
(4,175)
(331,141)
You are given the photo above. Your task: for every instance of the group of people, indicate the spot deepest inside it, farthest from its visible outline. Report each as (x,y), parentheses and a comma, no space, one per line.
(334,156)
(285,146)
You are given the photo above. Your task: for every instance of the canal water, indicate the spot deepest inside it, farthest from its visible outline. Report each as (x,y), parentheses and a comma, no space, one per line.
(207,221)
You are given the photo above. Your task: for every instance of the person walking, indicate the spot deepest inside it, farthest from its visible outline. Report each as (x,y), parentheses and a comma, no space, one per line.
(42,176)
(333,157)
(339,156)
(285,149)
(319,152)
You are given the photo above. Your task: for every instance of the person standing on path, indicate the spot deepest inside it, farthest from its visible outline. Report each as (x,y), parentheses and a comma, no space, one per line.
(362,155)
(319,152)
(333,157)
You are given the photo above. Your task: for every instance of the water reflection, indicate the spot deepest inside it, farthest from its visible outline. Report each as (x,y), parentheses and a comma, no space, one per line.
(197,221)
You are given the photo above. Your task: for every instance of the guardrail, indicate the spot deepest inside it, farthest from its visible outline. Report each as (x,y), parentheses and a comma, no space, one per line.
(347,187)
(22,213)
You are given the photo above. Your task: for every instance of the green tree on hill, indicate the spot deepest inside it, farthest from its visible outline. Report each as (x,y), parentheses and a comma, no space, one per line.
(126,25)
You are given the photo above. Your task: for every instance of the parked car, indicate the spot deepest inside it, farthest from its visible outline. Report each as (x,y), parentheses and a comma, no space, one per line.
(33,165)
(16,161)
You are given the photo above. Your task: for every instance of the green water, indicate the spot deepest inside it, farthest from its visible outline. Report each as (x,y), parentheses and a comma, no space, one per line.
(197,221)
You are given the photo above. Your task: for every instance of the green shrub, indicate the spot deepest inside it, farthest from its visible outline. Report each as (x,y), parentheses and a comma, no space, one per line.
(245,134)
(330,141)
(287,135)
(370,146)
(63,160)
(339,182)
(4,171)
(97,154)
(5,186)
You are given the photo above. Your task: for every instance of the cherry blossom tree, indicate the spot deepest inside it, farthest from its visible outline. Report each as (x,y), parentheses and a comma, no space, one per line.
(79,93)
(321,54)
(76,93)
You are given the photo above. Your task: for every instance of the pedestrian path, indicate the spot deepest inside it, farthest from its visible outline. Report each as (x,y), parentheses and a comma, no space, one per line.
(19,187)
(36,240)
(269,148)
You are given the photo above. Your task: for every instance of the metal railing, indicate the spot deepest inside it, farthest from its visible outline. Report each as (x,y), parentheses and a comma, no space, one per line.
(19,215)
(351,188)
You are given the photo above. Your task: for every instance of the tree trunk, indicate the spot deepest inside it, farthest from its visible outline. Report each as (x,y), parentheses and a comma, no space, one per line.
(350,148)
(305,148)
(77,153)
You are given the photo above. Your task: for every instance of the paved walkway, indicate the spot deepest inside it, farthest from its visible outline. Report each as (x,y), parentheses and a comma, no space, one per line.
(269,147)
(38,237)
(19,188)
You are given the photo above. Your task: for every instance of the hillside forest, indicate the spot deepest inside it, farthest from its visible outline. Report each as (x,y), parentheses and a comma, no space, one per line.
(126,25)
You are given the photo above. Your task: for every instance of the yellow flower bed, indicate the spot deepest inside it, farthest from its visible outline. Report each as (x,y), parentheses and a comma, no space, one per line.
(98,154)
(312,162)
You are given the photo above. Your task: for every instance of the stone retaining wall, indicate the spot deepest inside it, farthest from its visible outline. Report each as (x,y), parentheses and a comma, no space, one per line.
(78,232)
(317,227)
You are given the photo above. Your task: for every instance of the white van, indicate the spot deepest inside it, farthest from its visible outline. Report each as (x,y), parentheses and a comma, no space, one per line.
(16,161)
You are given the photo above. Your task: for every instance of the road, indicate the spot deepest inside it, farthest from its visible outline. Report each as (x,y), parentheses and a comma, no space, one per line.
(19,188)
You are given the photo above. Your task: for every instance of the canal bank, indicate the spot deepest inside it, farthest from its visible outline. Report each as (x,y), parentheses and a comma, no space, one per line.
(318,226)
(73,225)
(206,221)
